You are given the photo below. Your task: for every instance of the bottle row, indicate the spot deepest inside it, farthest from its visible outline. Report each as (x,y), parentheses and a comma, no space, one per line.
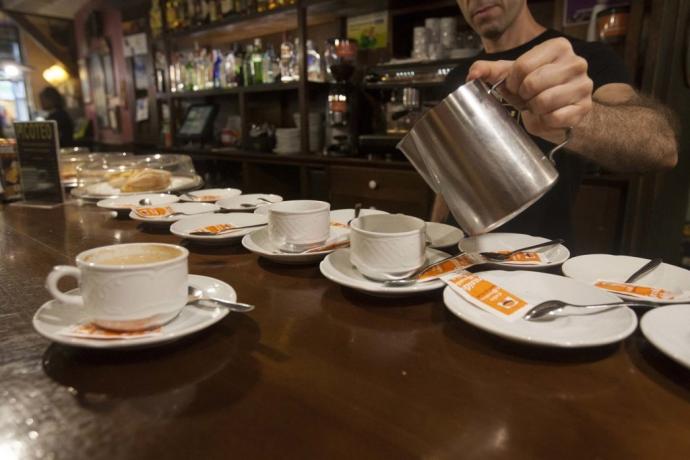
(253,64)
(180,14)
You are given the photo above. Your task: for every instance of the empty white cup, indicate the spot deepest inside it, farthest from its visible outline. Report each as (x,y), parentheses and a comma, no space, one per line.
(298,225)
(387,246)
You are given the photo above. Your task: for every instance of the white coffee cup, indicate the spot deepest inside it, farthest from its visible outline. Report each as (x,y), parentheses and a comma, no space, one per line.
(295,226)
(127,286)
(387,246)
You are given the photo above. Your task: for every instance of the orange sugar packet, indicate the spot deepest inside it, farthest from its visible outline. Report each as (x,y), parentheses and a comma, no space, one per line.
(153,212)
(525,258)
(637,290)
(92,331)
(459,262)
(206,198)
(215,229)
(336,224)
(487,295)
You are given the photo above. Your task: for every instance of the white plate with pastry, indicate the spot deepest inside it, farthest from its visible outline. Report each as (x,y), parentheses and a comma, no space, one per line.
(146,180)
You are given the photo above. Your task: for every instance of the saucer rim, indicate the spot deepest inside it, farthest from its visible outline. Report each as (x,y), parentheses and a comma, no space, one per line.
(428,286)
(213,316)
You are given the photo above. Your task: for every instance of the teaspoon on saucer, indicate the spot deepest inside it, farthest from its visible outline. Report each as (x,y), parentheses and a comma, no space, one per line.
(196,295)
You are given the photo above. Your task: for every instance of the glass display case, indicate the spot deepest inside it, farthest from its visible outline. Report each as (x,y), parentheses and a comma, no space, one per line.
(131,174)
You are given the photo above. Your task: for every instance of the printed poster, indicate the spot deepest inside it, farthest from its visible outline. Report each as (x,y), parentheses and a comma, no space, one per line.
(370,30)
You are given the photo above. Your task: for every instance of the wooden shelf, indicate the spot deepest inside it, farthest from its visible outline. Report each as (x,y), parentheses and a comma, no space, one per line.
(216,92)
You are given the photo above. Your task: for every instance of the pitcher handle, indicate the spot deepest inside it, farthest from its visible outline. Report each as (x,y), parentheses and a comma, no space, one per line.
(568,131)
(568,135)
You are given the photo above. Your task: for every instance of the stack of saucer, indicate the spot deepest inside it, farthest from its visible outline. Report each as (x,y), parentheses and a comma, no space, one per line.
(315,130)
(287,141)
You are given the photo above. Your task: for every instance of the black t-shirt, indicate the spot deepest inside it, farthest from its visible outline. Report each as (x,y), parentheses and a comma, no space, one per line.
(550,217)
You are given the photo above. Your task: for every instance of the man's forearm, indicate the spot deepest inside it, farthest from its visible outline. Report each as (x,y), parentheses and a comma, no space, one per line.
(632,136)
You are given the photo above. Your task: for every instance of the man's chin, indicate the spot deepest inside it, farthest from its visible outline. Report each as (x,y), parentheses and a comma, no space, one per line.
(490,31)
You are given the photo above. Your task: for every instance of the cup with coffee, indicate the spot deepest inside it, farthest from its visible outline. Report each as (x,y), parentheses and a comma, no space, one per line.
(298,225)
(127,287)
(387,246)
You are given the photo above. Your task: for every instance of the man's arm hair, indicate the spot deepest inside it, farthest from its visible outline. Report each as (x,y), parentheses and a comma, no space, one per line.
(627,132)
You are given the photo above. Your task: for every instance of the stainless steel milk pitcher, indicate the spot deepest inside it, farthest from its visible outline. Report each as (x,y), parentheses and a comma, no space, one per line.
(470,150)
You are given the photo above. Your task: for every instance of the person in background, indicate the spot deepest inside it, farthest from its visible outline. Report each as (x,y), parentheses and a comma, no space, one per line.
(53,103)
(552,83)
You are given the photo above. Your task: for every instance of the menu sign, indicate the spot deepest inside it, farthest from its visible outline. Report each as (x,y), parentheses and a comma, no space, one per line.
(39,167)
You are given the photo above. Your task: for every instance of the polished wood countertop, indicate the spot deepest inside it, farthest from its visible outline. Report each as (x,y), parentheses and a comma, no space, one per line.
(315,371)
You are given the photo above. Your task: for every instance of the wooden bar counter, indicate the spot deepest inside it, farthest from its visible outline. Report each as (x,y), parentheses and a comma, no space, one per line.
(315,371)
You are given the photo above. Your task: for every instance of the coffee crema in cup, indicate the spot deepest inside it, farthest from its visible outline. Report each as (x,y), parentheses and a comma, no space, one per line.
(142,255)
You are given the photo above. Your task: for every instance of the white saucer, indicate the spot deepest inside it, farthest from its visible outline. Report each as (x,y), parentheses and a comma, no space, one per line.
(442,235)
(492,242)
(337,268)
(668,329)
(565,332)
(182,227)
(210,195)
(53,317)
(190,210)
(234,203)
(126,203)
(259,243)
(594,267)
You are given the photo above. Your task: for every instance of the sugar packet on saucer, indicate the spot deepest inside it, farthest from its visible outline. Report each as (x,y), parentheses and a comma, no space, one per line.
(642,292)
(91,331)
(525,258)
(487,296)
(214,229)
(147,213)
(452,265)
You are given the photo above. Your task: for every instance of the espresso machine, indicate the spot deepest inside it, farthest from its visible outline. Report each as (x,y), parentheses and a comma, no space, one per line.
(341,110)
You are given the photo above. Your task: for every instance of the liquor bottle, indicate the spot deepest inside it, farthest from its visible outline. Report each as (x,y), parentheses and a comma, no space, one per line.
(204,12)
(261,6)
(190,74)
(181,12)
(227,7)
(239,64)
(171,14)
(156,18)
(247,66)
(229,70)
(190,15)
(249,6)
(268,65)
(213,10)
(257,62)
(217,68)
(314,68)
(197,12)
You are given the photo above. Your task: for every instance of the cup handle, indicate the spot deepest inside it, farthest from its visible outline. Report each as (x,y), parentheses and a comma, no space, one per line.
(60,271)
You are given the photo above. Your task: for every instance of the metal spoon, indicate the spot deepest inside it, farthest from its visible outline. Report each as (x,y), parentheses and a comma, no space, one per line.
(358,209)
(195,295)
(551,309)
(646,268)
(145,202)
(498,256)
(412,279)
(254,205)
